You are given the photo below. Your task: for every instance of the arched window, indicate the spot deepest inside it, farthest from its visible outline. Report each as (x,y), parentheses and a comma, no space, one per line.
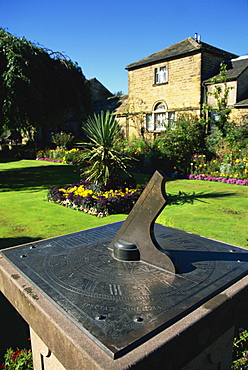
(160,118)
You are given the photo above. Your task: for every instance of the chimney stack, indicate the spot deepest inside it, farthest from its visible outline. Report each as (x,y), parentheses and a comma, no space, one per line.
(197,38)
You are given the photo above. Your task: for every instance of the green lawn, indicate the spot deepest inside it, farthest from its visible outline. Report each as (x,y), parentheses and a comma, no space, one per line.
(214,210)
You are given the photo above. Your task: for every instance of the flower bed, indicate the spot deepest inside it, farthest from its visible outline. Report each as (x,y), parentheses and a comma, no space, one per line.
(49,160)
(99,203)
(59,155)
(219,179)
(235,169)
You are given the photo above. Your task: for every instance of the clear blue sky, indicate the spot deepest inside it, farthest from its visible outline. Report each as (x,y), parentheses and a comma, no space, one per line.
(104,36)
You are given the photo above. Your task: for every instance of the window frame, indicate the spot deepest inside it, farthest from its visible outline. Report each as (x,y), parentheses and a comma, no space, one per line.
(160,111)
(158,72)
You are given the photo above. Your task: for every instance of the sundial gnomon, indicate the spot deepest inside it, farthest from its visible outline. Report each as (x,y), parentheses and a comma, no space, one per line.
(122,303)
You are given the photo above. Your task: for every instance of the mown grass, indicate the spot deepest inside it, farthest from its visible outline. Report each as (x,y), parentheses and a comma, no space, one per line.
(214,210)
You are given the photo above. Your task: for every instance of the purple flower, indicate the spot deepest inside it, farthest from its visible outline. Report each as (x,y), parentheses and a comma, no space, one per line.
(231,181)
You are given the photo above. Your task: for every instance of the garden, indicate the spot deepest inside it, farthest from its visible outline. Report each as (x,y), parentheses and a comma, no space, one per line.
(66,185)
(61,190)
(213,209)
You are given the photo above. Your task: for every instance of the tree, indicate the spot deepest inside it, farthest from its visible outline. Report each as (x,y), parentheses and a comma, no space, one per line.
(106,164)
(38,87)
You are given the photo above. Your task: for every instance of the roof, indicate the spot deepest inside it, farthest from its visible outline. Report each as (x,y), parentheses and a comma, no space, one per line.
(98,90)
(184,47)
(235,67)
(114,104)
(241,104)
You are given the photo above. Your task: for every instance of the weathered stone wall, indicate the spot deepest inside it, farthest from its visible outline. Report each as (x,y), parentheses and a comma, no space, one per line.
(210,65)
(183,89)
(239,115)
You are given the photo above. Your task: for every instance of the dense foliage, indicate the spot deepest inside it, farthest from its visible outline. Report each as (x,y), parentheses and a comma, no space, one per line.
(17,360)
(240,350)
(38,87)
(172,150)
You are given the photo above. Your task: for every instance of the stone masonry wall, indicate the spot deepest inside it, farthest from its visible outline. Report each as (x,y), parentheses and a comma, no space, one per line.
(183,89)
(239,115)
(210,65)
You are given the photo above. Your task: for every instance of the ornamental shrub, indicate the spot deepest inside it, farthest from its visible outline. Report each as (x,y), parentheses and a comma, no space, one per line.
(61,139)
(179,142)
(240,350)
(103,162)
(17,359)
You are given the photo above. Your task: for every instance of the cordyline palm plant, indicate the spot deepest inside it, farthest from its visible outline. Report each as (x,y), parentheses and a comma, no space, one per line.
(106,165)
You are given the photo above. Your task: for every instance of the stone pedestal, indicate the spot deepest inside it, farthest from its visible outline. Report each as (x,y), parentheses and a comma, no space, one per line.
(43,358)
(200,340)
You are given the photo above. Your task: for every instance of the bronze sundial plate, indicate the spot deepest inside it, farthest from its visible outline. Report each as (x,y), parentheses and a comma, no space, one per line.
(122,304)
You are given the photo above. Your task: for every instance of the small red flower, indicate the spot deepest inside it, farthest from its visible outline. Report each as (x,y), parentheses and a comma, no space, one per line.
(2,366)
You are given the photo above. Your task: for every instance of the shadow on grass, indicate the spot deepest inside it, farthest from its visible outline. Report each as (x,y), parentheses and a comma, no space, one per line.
(12,242)
(35,178)
(189,198)
(7,160)
(31,178)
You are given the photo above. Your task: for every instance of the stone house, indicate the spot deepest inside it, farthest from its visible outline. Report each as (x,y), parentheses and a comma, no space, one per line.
(174,81)
(237,82)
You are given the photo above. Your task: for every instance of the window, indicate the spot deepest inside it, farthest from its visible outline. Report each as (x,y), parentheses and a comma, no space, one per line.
(149,122)
(214,116)
(159,119)
(160,75)
(171,119)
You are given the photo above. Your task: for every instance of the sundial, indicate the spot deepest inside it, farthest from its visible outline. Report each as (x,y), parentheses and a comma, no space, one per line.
(125,282)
